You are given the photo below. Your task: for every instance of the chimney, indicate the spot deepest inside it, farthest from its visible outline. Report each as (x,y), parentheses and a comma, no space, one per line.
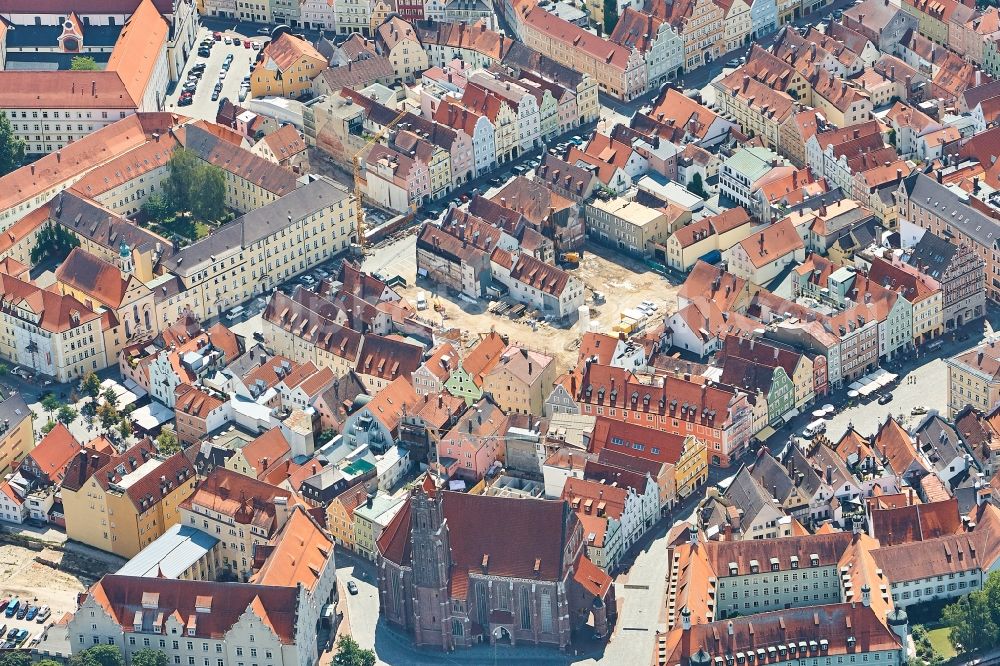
(866,595)
(979,77)
(93,88)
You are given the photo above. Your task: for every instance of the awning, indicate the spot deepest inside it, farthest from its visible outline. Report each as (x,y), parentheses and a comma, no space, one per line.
(765,434)
(790,414)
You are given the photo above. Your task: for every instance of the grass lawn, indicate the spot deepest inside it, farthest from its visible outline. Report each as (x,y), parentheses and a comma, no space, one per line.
(939,639)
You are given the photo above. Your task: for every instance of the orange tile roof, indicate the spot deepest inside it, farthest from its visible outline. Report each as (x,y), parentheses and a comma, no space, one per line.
(302,550)
(266,450)
(55,451)
(137,51)
(287,50)
(77,158)
(395,399)
(772,243)
(93,276)
(285,143)
(576,38)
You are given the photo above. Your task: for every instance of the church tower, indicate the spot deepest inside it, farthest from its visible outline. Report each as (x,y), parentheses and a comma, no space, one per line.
(125,263)
(431,562)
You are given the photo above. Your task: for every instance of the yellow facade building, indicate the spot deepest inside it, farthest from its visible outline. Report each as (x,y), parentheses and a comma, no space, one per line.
(286,68)
(121,504)
(251,255)
(17,436)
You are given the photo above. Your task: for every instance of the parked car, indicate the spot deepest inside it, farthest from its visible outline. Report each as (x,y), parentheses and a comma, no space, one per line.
(22,611)
(352,587)
(217,36)
(3,606)
(733,64)
(246,43)
(255,46)
(12,633)
(43,614)
(650,305)
(885,399)
(185,101)
(236,41)
(204,53)
(31,614)
(215,95)
(918,410)
(227,40)
(22,635)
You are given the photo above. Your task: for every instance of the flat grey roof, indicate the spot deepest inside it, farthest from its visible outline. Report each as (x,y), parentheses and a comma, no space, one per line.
(172,554)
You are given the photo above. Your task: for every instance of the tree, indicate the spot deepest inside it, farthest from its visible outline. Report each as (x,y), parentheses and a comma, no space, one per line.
(15,659)
(182,171)
(84,63)
(50,403)
(610,15)
(156,207)
(49,425)
(48,662)
(4,369)
(166,442)
(208,199)
(99,655)
(696,186)
(125,427)
(11,147)
(975,618)
(149,657)
(108,415)
(110,397)
(327,435)
(54,241)
(92,385)
(349,653)
(66,415)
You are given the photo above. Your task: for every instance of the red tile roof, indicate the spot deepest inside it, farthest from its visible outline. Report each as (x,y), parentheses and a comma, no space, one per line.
(55,451)
(916,522)
(301,552)
(530,542)
(124,596)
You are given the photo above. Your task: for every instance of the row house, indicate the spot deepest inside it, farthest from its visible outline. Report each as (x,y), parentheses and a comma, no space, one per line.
(529,111)
(658,41)
(718,414)
(925,205)
(501,114)
(757,108)
(532,65)
(739,24)
(618,71)
(700,23)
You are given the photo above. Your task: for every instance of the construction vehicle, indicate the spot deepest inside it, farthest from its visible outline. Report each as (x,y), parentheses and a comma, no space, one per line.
(359,246)
(570,259)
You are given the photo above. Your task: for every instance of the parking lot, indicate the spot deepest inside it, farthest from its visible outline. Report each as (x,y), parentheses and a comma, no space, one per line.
(37,584)
(202,105)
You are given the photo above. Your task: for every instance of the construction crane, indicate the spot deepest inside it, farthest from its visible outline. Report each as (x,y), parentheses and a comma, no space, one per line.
(360,217)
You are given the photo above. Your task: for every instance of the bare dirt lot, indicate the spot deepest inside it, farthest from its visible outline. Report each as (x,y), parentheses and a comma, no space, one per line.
(624,281)
(40,584)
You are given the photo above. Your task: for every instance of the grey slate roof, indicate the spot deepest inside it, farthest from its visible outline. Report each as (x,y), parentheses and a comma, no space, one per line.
(13,410)
(946,203)
(932,255)
(259,224)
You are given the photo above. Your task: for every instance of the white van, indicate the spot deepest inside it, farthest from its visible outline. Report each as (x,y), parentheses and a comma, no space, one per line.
(235,313)
(814,428)
(421,301)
